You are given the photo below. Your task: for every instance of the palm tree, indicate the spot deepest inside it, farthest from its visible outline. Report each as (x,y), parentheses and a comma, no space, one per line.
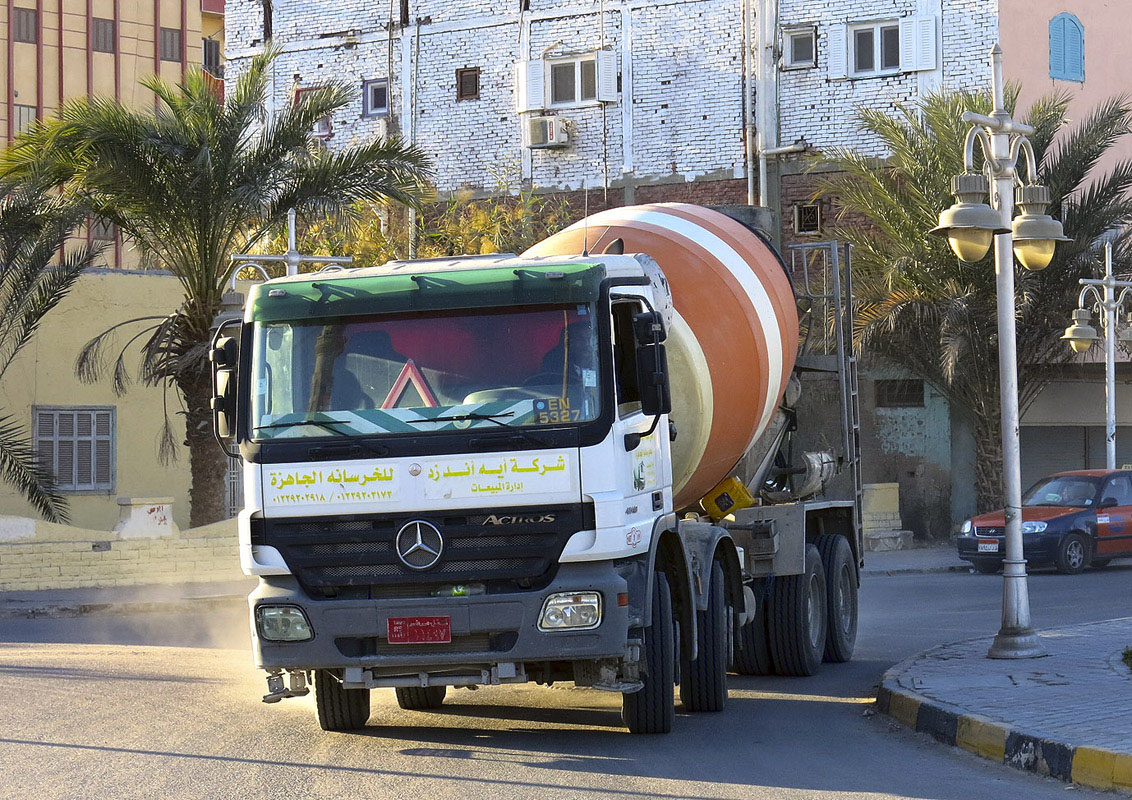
(33,228)
(191,183)
(919,307)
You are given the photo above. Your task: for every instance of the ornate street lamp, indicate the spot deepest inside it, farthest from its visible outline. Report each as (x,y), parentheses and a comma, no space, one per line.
(1101,295)
(971,225)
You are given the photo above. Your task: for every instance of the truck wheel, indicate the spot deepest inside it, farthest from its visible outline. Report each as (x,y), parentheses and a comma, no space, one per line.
(752,651)
(420,698)
(841,597)
(796,619)
(703,685)
(652,708)
(339,709)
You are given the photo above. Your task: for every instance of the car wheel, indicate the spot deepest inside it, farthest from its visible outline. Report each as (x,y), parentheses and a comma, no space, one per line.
(1072,554)
(987,567)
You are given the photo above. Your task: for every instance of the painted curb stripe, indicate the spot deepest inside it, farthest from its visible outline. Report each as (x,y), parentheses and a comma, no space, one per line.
(1088,766)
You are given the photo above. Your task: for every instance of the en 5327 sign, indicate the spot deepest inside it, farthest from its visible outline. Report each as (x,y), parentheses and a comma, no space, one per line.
(555,410)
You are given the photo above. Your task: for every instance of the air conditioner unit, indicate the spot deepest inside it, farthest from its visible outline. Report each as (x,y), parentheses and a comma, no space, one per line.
(546,132)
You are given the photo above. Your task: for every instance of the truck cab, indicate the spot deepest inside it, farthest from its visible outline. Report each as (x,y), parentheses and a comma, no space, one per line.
(455,472)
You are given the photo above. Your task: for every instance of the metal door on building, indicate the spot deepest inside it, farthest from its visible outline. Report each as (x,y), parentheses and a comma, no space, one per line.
(1047,449)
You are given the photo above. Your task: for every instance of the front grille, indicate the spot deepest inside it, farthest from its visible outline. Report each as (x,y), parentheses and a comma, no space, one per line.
(331,554)
(990,530)
(359,646)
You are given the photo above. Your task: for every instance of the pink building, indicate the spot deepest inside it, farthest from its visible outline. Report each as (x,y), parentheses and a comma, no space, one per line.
(1068,45)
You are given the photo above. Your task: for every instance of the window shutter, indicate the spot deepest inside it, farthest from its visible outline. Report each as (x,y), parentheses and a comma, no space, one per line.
(530,86)
(1057,48)
(918,49)
(927,53)
(1074,50)
(607,76)
(909,52)
(838,52)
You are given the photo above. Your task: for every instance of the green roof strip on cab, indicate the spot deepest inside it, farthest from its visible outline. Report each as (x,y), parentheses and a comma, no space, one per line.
(326,295)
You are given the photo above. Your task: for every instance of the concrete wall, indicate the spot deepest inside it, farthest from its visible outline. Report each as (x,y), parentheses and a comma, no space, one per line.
(38,555)
(911,447)
(44,374)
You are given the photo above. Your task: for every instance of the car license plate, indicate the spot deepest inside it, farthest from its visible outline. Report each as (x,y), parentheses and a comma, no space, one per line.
(419,630)
(986,546)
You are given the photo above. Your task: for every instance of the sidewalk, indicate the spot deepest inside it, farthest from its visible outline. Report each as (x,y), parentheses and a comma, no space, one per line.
(122,599)
(1067,714)
(923,559)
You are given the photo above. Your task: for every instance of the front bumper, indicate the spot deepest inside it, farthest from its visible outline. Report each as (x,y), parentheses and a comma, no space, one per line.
(486,629)
(1036,547)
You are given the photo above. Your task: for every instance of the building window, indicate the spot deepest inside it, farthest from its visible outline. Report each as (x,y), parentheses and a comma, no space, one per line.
(807,219)
(268,14)
(210,58)
(25,27)
(1067,48)
(375,97)
(103,230)
(903,393)
(102,35)
(170,44)
(77,446)
(799,48)
(573,80)
(321,128)
(25,116)
(875,48)
(468,83)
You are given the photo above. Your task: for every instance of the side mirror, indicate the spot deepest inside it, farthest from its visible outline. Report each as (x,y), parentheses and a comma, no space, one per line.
(224,357)
(652,380)
(1108,502)
(648,328)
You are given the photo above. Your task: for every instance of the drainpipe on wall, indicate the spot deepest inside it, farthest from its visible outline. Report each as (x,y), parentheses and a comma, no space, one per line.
(748,101)
(766,96)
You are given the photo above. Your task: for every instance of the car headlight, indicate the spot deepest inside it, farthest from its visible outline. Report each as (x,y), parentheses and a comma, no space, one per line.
(282,624)
(570,611)
(966,528)
(1033,527)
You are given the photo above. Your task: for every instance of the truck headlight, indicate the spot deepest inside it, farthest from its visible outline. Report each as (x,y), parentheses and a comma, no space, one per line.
(966,529)
(1033,527)
(570,611)
(282,624)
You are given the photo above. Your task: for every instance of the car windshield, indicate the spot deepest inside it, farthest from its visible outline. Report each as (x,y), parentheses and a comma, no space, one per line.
(1063,490)
(524,366)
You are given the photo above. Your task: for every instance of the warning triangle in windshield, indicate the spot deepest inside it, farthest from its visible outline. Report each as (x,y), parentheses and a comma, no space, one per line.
(410,375)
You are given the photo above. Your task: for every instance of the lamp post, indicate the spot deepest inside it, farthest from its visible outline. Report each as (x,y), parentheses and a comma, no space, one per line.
(1081,335)
(970,226)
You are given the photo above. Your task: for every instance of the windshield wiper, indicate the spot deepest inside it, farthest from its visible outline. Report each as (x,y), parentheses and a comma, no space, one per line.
(495,418)
(326,424)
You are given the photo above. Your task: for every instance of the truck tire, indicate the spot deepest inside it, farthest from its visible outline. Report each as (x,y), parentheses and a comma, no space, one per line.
(752,651)
(339,709)
(796,619)
(420,698)
(703,685)
(652,708)
(841,597)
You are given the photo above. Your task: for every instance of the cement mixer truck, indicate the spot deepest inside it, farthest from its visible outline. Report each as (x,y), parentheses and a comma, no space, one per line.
(569,465)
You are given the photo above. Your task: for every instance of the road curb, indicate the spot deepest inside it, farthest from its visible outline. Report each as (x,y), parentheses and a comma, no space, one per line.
(916,570)
(46,610)
(1088,766)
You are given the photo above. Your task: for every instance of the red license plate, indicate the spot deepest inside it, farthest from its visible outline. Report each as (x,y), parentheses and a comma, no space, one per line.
(420,630)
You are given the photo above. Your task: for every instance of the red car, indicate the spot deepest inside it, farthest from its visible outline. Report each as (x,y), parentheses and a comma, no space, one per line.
(1071,520)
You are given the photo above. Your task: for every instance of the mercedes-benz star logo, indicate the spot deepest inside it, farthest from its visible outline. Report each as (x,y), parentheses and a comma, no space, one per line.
(419,544)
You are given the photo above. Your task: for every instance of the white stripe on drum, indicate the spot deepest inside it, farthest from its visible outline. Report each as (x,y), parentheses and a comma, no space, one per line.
(739,268)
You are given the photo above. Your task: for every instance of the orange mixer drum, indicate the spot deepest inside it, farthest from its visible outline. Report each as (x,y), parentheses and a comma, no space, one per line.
(732,344)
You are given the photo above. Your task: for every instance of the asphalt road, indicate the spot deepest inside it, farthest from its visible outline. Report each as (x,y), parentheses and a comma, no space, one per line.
(161,706)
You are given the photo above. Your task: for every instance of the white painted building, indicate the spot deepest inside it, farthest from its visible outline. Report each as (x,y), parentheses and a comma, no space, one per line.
(648,94)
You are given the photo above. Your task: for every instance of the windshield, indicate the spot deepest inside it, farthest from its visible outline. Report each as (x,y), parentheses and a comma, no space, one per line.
(1068,490)
(523,366)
